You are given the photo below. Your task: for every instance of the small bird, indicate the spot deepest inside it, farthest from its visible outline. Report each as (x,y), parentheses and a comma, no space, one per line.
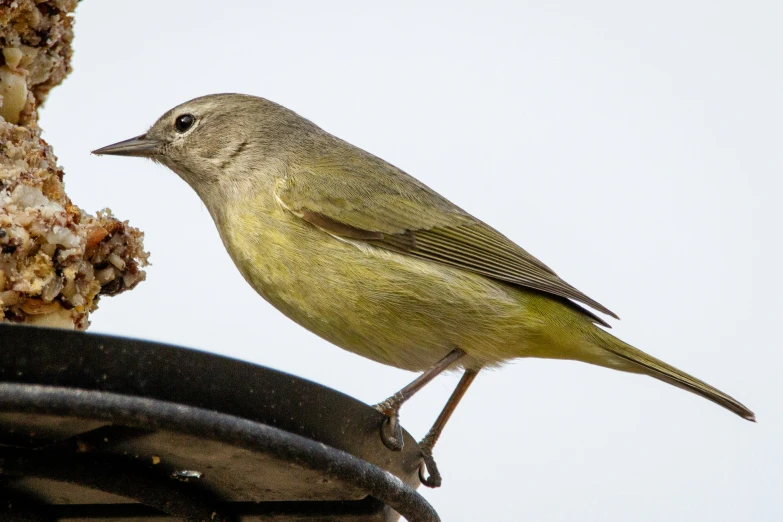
(374,261)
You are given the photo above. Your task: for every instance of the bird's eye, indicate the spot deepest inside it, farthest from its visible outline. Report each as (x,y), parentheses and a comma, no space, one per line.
(184,122)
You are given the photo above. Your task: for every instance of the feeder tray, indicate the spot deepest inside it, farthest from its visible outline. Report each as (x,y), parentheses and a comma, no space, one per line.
(95,427)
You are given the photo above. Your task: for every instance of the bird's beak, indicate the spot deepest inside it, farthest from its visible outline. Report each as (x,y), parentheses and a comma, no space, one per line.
(138,146)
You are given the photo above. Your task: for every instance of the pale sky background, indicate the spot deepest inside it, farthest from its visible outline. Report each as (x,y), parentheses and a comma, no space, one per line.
(633,148)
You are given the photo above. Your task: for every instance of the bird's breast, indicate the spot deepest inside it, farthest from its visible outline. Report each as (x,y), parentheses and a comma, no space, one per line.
(385,306)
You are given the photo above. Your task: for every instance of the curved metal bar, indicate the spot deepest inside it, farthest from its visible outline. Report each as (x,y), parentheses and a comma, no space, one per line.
(88,361)
(156,414)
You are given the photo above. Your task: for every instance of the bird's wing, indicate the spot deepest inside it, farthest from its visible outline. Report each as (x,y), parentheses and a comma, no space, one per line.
(389,209)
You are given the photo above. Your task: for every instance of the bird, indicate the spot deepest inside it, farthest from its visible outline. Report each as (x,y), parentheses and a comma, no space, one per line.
(376,262)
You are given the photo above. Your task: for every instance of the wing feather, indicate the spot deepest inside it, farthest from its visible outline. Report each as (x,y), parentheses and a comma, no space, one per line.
(361,197)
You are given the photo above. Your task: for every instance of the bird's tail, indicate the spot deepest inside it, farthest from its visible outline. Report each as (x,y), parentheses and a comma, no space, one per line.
(637,361)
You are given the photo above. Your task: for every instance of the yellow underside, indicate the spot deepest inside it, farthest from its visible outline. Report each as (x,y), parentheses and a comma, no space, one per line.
(394,309)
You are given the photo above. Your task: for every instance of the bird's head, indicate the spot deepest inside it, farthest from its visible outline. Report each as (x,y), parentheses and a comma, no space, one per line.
(221,141)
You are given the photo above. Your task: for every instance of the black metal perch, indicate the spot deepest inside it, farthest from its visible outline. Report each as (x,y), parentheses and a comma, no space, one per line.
(94,427)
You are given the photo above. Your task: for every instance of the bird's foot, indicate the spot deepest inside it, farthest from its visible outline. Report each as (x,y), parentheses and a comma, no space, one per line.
(391,431)
(433,478)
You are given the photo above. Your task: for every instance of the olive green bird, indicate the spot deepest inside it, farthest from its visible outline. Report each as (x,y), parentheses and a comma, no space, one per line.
(374,261)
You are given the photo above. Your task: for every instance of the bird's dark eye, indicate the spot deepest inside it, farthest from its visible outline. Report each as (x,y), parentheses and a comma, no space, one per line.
(184,122)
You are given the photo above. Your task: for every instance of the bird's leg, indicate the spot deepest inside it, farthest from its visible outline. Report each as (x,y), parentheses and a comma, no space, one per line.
(429,440)
(391,432)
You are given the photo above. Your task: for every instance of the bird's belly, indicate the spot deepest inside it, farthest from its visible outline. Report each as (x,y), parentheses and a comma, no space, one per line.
(388,307)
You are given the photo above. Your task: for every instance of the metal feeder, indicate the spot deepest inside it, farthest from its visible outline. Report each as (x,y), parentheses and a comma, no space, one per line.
(95,427)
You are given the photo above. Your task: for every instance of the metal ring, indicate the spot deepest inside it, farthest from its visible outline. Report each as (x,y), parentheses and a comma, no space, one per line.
(156,414)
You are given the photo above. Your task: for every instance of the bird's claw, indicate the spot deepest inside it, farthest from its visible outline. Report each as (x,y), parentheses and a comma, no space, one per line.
(391,432)
(434,479)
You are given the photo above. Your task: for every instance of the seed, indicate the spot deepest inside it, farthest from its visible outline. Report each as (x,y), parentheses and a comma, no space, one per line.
(117,261)
(35,306)
(9,298)
(13,90)
(13,56)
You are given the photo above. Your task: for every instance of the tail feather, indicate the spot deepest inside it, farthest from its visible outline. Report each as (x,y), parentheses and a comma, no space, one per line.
(643,363)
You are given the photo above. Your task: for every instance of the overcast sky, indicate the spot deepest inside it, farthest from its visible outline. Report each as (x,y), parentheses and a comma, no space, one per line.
(636,150)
